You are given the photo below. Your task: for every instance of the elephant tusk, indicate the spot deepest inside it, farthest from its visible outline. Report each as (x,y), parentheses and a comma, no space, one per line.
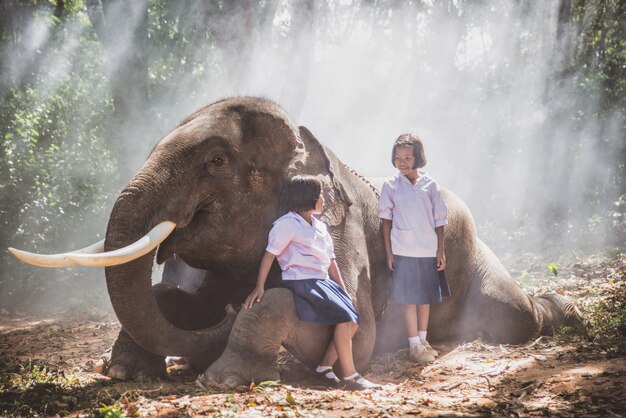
(93,254)
(55,260)
(141,247)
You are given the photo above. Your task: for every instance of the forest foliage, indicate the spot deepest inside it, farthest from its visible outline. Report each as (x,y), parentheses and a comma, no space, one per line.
(67,125)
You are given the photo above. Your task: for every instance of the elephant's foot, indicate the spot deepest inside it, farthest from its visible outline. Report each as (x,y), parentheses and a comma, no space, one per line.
(562,311)
(128,361)
(233,369)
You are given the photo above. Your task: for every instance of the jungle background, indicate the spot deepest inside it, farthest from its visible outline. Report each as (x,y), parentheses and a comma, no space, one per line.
(521,105)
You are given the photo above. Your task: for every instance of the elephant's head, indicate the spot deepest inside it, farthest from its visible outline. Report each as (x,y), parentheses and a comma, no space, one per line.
(217,176)
(214,183)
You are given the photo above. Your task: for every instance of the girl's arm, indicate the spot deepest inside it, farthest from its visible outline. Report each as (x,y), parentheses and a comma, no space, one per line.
(335,274)
(386,227)
(441,256)
(259,290)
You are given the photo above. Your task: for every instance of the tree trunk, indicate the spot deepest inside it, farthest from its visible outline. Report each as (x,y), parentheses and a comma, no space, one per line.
(121,26)
(302,40)
(564,40)
(22,69)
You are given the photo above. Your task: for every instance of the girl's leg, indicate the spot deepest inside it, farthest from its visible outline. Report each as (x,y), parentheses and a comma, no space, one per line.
(423,312)
(343,345)
(416,317)
(340,348)
(410,319)
(331,356)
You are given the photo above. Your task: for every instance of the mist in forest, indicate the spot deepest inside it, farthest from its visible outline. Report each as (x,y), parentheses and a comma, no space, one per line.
(480,83)
(480,91)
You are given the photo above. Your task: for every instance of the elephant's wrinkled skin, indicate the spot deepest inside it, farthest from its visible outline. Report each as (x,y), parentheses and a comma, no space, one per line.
(218,176)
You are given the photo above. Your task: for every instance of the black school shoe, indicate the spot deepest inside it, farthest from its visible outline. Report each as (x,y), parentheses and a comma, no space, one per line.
(360,383)
(327,378)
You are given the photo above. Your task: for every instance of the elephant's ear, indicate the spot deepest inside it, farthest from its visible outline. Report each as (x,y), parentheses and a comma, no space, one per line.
(322,163)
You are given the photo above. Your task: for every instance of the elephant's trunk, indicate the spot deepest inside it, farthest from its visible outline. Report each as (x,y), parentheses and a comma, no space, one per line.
(130,285)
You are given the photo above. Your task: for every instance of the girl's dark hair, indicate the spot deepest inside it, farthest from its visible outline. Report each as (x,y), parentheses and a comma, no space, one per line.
(410,140)
(302,192)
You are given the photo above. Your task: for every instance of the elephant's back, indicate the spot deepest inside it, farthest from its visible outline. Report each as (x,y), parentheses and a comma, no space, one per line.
(377,182)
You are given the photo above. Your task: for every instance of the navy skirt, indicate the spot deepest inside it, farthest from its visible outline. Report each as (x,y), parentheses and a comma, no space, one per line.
(322,301)
(416,281)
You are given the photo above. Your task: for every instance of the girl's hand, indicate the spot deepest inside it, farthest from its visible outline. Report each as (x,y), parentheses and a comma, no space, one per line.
(441,261)
(390,262)
(255,296)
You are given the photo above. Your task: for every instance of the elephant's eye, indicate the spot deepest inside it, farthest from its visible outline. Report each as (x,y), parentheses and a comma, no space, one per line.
(218,161)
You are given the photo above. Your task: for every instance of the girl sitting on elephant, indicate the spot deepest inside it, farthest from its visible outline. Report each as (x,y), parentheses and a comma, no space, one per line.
(413,216)
(305,253)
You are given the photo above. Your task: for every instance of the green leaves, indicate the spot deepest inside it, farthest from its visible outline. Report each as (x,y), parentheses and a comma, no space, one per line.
(56,168)
(522,278)
(107,412)
(263,386)
(552,268)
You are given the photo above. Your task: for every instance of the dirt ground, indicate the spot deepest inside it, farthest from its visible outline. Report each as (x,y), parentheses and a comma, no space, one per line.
(47,369)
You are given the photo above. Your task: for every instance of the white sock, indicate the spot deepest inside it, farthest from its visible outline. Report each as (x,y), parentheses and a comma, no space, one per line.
(352,376)
(422,335)
(327,370)
(413,341)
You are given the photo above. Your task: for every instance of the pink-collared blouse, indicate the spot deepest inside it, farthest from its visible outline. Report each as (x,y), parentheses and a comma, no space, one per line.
(415,211)
(303,251)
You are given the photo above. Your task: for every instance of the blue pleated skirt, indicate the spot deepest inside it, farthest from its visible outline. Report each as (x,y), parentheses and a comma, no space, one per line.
(416,281)
(322,301)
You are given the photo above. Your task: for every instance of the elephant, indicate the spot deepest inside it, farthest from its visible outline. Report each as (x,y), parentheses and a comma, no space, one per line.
(211,190)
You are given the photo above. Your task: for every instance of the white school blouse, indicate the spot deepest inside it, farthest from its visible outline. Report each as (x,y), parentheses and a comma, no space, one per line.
(303,251)
(415,210)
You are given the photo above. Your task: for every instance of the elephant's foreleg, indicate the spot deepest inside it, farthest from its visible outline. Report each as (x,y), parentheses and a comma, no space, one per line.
(128,361)
(254,342)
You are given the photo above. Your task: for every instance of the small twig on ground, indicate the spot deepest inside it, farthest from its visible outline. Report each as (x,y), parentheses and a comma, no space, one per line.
(534,343)
(399,385)
(503,348)
(488,382)
(454,386)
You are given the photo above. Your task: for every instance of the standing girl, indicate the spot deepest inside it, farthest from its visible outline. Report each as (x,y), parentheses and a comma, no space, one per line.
(305,253)
(413,216)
